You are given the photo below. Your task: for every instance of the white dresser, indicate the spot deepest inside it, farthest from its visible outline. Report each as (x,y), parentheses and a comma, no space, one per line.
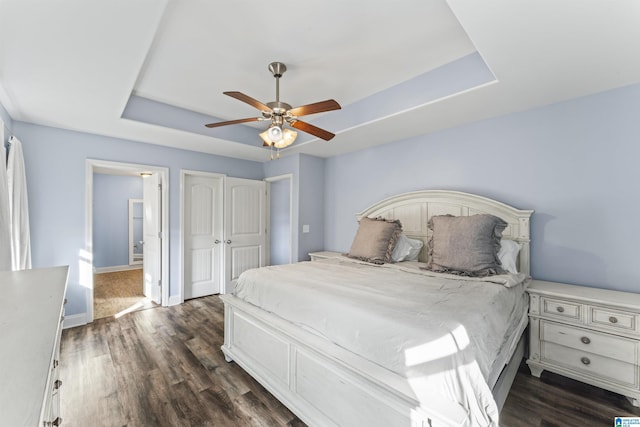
(588,334)
(31,314)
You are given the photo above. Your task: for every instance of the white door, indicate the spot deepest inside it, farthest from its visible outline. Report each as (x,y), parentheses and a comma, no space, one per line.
(245,227)
(203,235)
(151,230)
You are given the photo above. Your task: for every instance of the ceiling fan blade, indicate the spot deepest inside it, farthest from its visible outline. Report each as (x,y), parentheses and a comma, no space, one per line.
(249,100)
(233,122)
(316,107)
(313,130)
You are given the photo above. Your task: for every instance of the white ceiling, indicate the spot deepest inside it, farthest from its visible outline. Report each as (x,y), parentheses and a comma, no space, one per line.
(74,64)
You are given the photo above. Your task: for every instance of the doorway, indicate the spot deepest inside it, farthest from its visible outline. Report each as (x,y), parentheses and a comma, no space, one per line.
(117,221)
(280,210)
(155,262)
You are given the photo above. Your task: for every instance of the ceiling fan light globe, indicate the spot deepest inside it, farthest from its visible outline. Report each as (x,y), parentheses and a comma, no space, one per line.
(275,133)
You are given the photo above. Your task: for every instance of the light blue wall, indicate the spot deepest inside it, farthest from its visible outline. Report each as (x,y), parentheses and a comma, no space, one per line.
(55,164)
(280,222)
(111,194)
(283,166)
(311,205)
(574,163)
(308,200)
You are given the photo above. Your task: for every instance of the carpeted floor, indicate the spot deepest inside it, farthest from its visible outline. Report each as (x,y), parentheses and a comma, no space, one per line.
(118,293)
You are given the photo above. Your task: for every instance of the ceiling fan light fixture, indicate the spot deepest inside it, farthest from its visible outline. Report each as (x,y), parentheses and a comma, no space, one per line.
(277,137)
(286,138)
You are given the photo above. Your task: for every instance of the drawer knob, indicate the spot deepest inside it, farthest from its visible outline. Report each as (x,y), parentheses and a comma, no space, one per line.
(613,319)
(585,340)
(560,309)
(57,384)
(585,361)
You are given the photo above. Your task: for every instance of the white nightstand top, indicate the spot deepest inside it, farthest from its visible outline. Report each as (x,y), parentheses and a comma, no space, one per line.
(325,254)
(583,293)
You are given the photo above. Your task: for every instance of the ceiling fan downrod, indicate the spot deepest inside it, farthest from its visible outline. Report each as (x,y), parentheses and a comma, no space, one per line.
(279,108)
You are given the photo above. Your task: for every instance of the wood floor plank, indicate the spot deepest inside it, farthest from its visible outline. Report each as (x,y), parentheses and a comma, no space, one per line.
(164,367)
(220,407)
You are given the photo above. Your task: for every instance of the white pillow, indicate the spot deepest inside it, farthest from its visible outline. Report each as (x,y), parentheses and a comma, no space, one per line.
(508,255)
(406,249)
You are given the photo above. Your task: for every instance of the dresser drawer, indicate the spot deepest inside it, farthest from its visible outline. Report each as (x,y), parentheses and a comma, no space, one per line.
(612,318)
(561,309)
(621,373)
(606,345)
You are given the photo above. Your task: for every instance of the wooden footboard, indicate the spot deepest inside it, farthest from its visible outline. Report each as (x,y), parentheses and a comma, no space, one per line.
(323,384)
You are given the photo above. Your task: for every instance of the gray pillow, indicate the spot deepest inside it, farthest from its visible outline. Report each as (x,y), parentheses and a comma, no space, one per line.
(375,240)
(465,245)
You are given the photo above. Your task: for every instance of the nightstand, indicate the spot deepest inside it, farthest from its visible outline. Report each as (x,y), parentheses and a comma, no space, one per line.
(324,255)
(588,334)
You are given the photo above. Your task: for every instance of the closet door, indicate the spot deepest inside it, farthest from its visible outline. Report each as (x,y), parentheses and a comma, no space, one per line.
(203,214)
(245,227)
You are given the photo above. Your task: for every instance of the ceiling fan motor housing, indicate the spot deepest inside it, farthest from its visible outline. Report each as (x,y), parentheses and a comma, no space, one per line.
(279,108)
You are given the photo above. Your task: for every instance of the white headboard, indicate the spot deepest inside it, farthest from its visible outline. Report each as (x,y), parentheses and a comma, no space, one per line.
(416,208)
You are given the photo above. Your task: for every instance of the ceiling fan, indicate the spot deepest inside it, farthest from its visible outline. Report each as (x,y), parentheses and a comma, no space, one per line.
(280,113)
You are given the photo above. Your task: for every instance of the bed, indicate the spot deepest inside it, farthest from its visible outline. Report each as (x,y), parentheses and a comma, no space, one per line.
(359,354)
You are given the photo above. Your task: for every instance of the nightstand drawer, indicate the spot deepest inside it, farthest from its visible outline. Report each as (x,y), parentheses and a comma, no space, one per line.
(605,345)
(598,366)
(560,308)
(612,318)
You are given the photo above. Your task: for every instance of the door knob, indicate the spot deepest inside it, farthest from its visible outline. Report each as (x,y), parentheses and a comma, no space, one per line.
(228,242)
(217,241)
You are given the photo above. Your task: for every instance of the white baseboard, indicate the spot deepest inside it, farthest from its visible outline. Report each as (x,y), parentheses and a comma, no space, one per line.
(115,268)
(74,320)
(174,300)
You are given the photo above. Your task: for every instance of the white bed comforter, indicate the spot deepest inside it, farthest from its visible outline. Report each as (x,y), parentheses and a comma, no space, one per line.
(443,333)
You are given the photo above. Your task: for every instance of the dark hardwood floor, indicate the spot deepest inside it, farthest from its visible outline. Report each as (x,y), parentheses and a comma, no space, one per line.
(164,367)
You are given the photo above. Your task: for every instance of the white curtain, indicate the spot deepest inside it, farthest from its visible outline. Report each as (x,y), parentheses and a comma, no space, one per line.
(18,207)
(5,218)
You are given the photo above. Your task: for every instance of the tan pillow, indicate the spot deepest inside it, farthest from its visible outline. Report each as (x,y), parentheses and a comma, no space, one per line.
(375,240)
(466,245)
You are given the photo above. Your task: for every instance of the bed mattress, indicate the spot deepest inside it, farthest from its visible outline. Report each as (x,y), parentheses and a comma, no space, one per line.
(448,336)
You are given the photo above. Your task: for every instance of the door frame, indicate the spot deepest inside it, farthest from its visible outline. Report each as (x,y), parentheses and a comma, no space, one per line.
(109,167)
(269,180)
(183,175)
